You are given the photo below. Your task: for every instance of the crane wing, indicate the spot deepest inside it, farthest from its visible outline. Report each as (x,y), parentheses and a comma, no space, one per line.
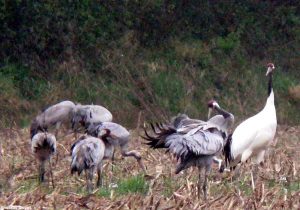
(195,142)
(199,143)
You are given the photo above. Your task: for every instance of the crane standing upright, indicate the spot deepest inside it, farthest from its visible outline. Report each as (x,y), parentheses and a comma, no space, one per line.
(253,136)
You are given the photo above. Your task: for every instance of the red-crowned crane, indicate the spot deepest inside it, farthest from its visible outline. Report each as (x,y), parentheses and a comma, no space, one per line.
(43,146)
(195,147)
(54,115)
(253,136)
(87,155)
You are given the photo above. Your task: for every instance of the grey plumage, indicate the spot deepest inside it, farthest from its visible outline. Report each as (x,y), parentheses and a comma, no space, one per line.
(43,146)
(182,120)
(114,135)
(87,155)
(184,124)
(53,116)
(84,115)
(195,145)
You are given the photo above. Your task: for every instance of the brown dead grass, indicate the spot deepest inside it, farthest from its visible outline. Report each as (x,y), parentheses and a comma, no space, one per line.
(278,186)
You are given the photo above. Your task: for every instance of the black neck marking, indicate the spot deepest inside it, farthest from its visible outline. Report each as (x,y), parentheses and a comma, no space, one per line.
(270,84)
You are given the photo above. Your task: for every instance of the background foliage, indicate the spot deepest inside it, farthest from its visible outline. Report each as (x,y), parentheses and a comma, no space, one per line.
(157,57)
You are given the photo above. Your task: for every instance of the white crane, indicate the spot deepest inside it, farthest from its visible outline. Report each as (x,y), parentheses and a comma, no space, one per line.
(253,136)
(195,146)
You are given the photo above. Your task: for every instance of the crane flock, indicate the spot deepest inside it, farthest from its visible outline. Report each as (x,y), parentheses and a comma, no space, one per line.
(194,142)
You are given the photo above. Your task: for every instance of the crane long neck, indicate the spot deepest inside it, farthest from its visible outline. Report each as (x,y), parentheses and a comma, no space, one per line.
(222,112)
(270,84)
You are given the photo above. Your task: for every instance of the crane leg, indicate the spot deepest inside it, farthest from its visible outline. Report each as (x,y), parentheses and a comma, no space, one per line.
(200,183)
(254,177)
(51,174)
(237,172)
(204,187)
(112,161)
(99,171)
(57,126)
(42,172)
(89,180)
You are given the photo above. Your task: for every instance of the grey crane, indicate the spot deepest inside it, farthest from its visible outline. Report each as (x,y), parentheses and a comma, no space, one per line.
(196,146)
(43,146)
(84,115)
(116,135)
(53,116)
(87,155)
(183,121)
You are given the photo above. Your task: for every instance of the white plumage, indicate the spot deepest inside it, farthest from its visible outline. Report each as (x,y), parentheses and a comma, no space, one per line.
(252,137)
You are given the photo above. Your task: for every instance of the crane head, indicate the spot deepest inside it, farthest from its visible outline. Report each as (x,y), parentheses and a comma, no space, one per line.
(104,133)
(211,105)
(270,69)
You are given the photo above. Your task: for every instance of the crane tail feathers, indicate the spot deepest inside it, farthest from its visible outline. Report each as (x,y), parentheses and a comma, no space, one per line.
(153,128)
(160,133)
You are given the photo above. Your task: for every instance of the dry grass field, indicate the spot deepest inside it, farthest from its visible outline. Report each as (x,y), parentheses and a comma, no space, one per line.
(278,186)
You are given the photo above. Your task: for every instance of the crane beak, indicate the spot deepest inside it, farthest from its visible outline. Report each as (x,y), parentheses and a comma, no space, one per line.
(209,113)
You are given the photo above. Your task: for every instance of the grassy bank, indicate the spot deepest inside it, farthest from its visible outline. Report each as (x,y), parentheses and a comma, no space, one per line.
(156,58)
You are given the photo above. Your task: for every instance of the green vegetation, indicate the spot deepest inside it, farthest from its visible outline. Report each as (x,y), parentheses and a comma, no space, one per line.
(159,57)
(134,184)
(27,186)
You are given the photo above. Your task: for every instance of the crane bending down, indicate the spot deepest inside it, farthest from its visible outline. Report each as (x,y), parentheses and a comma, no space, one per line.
(252,137)
(195,146)
(54,115)
(85,115)
(43,146)
(115,135)
(87,155)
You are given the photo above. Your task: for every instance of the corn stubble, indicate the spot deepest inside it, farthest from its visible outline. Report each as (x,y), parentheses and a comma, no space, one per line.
(278,185)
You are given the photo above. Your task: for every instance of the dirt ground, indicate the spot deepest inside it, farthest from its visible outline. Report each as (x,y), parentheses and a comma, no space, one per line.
(278,186)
